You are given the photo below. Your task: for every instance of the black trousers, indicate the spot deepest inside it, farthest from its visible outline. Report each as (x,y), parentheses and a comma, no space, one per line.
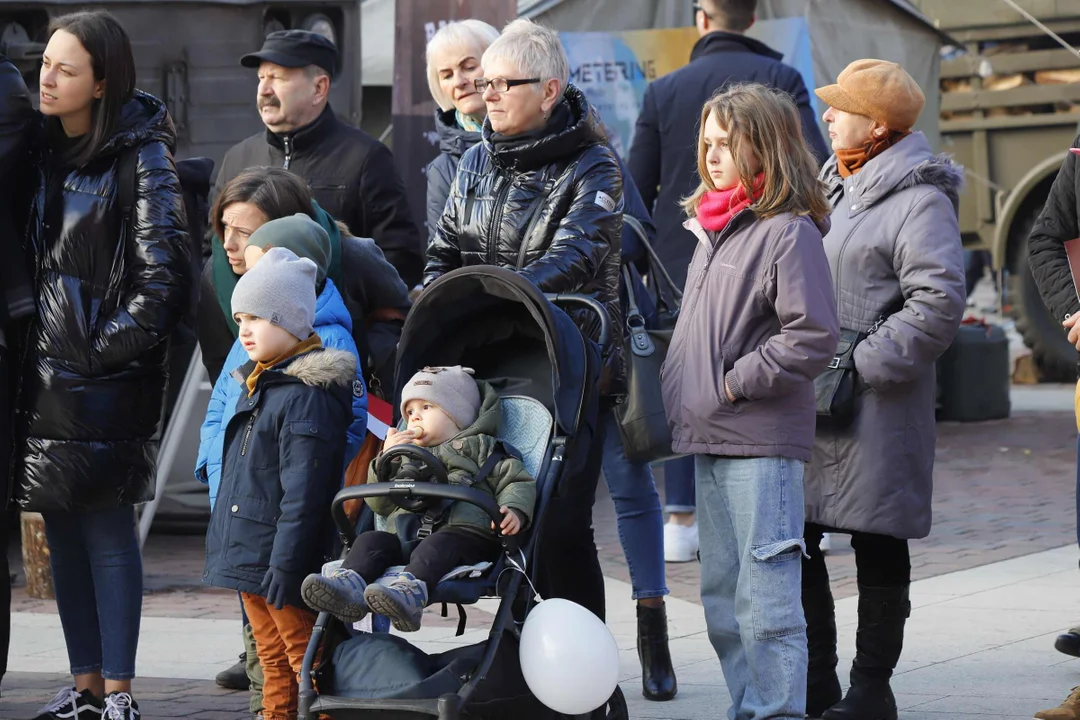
(439,553)
(568,566)
(6,437)
(880,560)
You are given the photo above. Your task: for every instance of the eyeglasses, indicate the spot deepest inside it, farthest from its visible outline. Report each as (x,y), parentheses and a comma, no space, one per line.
(500,85)
(699,9)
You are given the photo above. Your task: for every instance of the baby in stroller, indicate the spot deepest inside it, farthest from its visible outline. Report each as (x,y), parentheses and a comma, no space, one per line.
(457,418)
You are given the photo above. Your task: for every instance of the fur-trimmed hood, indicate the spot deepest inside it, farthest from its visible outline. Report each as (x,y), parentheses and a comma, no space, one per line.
(907,164)
(323,368)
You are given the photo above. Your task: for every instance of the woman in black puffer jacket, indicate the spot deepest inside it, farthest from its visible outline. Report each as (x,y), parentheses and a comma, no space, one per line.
(542,194)
(109,292)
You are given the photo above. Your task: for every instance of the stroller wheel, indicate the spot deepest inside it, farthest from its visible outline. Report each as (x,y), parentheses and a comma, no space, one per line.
(615,709)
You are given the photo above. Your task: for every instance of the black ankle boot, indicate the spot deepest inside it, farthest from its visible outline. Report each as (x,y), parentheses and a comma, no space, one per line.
(822,685)
(878,642)
(657,674)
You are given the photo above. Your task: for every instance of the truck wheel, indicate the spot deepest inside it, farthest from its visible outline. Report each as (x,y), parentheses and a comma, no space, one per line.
(1053,355)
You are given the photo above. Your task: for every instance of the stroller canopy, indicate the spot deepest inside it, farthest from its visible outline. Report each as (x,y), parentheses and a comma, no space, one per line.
(498,323)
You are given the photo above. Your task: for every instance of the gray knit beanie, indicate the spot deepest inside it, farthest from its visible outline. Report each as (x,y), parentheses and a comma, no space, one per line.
(453,389)
(298,233)
(281,289)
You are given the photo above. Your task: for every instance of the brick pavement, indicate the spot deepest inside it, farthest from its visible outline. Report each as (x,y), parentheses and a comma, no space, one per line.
(1003,489)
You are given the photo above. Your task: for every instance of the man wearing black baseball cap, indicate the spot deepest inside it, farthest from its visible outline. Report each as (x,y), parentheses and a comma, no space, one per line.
(352,174)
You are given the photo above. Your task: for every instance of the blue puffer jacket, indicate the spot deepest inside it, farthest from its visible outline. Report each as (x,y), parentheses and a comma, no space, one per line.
(333,324)
(284,465)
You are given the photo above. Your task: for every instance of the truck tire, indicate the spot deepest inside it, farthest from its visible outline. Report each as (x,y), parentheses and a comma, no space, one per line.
(1054,357)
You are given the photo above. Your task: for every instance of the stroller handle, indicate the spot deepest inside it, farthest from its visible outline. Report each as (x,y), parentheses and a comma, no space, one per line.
(567,300)
(411,489)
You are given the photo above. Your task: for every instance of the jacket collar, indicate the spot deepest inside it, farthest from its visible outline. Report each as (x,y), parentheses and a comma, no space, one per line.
(307,136)
(908,163)
(726,42)
(453,140)
(583,129)
(332,370)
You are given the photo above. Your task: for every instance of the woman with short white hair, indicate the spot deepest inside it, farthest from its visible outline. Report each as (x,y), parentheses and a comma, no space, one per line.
(543,193)
(453,62)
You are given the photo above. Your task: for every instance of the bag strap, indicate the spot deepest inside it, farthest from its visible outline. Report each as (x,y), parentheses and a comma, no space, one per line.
(641,343)
(656,268)
(434,514)
(126,167)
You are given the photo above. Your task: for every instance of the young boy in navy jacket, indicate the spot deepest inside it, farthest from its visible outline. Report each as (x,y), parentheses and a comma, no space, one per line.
(284,456)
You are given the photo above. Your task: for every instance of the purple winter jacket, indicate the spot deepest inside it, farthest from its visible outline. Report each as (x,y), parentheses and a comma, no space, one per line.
(759,309)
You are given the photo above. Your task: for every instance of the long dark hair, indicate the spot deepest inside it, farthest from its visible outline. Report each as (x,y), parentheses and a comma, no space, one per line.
(275,191)
(109,47)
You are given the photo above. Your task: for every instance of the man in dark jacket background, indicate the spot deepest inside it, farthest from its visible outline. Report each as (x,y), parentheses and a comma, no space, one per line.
(1049,264)
(663,157)
(16,114)
(351,173)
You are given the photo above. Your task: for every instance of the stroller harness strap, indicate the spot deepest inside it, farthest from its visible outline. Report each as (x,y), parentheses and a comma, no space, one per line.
(434,514)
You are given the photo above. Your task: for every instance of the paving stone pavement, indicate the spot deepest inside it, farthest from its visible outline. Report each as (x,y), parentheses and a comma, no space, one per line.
(1002,490)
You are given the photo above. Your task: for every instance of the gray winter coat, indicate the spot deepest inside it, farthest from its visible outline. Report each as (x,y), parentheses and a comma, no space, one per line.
(758,312)
(895,252)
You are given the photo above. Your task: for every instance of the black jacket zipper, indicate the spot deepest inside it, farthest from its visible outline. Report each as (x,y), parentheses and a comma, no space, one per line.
(496,219)
(287,142)
(247,432)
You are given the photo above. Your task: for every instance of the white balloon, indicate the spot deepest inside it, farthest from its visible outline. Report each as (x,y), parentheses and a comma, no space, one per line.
(569,657)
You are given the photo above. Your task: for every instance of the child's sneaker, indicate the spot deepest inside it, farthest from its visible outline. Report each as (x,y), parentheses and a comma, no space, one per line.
(340,594)
(120,706)
(71,705)
(403,601)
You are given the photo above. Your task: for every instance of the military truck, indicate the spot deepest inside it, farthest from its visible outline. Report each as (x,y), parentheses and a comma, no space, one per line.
(187,53)
(1010,108)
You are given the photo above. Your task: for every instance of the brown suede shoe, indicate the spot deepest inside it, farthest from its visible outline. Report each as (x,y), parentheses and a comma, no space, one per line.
(1068,710)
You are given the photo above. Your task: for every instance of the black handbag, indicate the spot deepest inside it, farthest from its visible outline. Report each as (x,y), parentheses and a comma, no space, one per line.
(835,387)
(642,420)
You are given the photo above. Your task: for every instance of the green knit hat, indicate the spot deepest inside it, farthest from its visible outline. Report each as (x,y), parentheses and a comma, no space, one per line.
(298,233)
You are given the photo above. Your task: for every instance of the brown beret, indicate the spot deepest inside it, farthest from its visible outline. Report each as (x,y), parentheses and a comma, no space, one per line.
(879,90)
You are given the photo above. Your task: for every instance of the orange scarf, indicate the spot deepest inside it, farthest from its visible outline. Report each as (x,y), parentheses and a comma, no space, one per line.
(849,162)
(300,348)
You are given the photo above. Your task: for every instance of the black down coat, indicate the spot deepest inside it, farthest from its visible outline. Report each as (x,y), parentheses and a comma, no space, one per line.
(548,205)
(95,365)
(453,142)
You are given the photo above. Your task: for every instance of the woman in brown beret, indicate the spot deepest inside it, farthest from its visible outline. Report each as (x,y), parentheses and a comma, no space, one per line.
(897,265)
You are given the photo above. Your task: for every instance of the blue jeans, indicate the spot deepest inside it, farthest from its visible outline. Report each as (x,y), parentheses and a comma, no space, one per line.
(637,510)
(98,577)
(679,485)
(750,525)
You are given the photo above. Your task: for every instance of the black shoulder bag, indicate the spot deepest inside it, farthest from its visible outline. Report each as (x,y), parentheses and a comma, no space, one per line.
(835,387)
(642,420)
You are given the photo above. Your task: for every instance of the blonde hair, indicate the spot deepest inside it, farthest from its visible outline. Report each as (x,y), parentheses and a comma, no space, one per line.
(476,35)
(763,123)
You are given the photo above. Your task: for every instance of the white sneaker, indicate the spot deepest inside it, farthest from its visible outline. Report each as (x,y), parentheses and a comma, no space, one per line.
(680,543)
(826,544)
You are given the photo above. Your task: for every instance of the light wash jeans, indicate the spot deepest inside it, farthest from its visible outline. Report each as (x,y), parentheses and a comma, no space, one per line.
(750,524)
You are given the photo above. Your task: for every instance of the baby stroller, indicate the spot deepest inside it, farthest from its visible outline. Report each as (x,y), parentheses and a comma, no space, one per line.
(546,374)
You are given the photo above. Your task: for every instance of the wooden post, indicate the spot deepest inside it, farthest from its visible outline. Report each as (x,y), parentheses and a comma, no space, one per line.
(415,142)
(35,552)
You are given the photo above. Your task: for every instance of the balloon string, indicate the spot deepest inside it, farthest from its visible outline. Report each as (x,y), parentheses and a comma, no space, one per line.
(515,567)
